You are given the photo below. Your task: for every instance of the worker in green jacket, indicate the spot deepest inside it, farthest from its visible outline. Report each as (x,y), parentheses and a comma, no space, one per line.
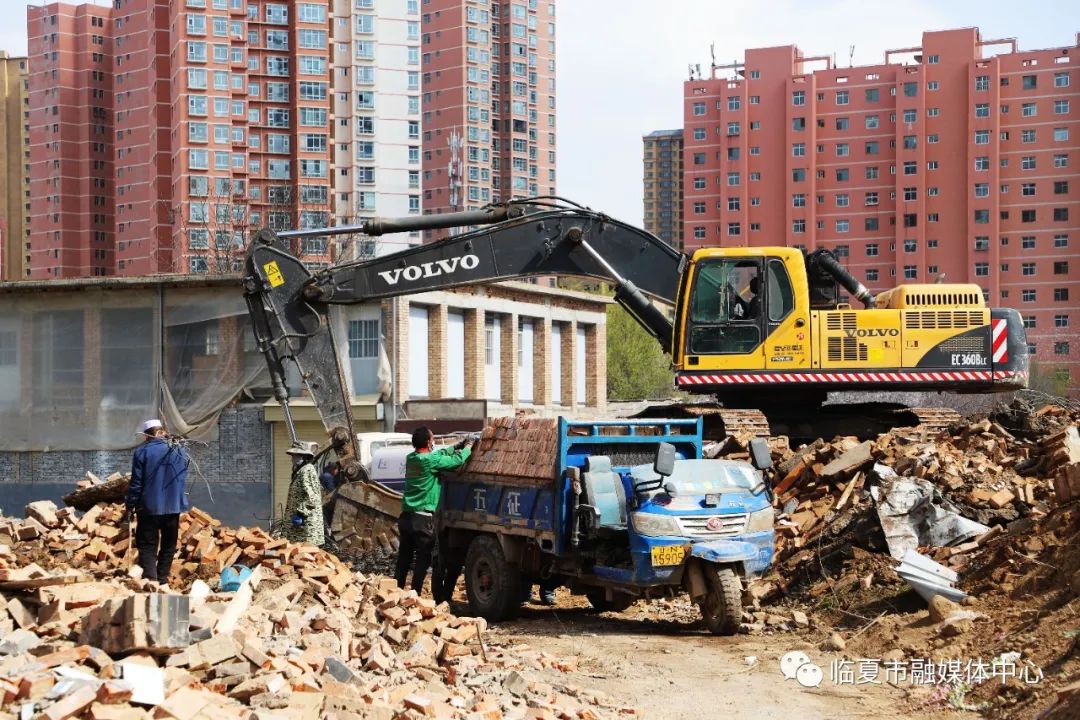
(416,525)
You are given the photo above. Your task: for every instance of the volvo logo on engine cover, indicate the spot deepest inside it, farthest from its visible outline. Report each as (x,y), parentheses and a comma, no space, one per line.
(872,332)
(412,273)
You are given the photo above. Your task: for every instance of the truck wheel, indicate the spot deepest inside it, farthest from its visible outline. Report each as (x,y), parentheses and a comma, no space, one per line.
(598,599)
(493,586)
(722,605)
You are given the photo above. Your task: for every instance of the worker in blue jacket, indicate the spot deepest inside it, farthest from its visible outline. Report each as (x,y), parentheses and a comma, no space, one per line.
(156,497)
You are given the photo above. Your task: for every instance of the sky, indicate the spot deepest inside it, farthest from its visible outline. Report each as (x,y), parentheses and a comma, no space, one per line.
(621,63)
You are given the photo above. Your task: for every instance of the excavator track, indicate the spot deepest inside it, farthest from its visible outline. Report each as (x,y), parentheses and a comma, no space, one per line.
(935,419)
(743,422)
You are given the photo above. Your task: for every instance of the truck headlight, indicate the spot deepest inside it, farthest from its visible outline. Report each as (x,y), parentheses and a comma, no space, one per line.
(761,520)
(653,525)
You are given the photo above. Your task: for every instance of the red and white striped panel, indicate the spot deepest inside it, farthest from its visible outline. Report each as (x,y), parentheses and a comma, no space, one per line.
(819,378)
(1000,340)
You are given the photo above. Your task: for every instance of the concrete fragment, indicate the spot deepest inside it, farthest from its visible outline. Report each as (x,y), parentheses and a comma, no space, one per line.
(835,642)
(515,683)
(800,619)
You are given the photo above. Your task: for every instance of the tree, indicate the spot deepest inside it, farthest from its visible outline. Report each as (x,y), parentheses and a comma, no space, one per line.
(214,228)
(1049,380)
(637,369)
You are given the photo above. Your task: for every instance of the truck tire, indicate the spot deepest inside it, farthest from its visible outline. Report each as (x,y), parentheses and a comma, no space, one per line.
(492,585)
(721,607)
(598,599)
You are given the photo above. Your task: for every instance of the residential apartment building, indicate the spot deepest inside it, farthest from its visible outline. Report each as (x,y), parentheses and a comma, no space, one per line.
(955,159)
(663,162)
(70,54)
(488,102)
(182,126)
(376,132)
(14,167)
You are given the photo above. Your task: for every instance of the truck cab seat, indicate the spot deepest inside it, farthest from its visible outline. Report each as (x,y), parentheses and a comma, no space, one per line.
(604,490)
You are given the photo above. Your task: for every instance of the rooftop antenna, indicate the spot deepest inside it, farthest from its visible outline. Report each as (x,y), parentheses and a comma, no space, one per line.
(691,69)
(851,56)
(697,67)
(712,54)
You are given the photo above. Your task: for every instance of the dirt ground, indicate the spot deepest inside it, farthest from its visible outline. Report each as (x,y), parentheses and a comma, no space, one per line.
(676,669)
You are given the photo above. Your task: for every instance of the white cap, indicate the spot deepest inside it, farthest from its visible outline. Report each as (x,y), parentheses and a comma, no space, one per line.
(149,426)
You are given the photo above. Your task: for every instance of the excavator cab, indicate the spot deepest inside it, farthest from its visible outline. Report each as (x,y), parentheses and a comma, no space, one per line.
(736,304)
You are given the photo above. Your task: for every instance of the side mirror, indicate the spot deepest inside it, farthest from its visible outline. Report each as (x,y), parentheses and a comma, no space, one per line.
(759,454)
(664,465)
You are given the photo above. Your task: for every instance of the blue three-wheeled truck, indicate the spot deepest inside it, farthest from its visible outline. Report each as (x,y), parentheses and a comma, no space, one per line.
(633,511)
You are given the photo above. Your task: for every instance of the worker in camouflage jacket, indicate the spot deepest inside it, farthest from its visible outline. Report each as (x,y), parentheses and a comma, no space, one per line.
(304,512)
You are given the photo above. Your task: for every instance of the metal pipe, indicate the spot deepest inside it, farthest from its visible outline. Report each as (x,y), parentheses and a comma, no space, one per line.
(386,226)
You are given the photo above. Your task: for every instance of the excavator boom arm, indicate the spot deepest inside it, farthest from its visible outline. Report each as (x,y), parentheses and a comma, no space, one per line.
(289,306)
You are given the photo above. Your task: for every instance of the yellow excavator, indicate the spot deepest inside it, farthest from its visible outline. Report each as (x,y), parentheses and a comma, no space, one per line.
(759,328)
(765,330)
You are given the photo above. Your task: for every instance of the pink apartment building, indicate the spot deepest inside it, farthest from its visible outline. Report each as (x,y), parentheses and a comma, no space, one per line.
(162,132)
(488,102)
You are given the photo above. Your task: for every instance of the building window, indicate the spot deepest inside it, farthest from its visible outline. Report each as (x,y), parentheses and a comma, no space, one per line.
(798,97)
(842,226)
(1027,295)
(872,95)
(1061,347)
(1027,242)
(982,269)
(1061,161)
(1061,321)
(1061,107)
(698,108)
(911,272)
(1061,241)
(1027,269)
(1061,267)
(1028,109)
(363,338)
(798,200)
(798,226)
(1061,294)
(871,275)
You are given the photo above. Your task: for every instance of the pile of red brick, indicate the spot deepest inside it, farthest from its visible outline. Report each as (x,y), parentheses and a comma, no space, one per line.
(303,637)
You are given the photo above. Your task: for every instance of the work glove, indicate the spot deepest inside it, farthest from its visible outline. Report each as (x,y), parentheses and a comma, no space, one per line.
(467,441)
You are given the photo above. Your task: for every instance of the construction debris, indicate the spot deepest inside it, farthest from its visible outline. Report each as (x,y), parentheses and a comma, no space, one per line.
(303,636)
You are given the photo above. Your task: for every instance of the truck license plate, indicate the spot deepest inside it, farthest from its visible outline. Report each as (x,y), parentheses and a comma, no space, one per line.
(668,555)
